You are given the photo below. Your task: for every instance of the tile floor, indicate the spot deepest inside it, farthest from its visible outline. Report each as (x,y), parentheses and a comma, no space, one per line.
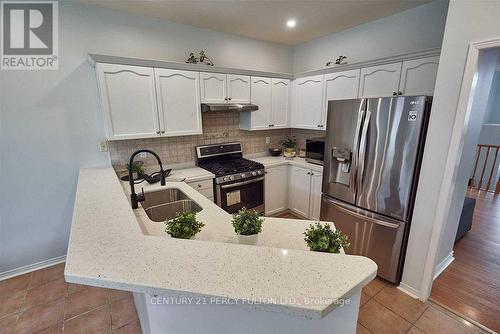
(42,302)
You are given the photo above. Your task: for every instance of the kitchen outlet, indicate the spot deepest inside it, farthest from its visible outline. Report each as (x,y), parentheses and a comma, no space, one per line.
(268,140)
(143,155)
(103,146)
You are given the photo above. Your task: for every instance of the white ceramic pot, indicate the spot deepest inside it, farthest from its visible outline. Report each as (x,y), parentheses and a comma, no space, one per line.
(248,239)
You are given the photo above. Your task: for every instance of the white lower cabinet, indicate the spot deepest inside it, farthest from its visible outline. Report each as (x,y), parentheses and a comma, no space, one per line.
(315,195)
(276,185)
(204,187)
(304,191)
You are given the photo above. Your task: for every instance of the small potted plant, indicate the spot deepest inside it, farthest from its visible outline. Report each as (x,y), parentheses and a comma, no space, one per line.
(183,226)
(247,224)
(321,238)
(289,146)
(137,169)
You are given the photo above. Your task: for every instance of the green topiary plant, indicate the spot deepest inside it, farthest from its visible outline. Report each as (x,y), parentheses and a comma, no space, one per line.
(247,222)
(137,168)
(289,142)
(321,238)
(184,225)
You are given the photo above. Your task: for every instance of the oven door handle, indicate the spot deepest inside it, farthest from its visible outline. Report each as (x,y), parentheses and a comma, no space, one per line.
(232,185)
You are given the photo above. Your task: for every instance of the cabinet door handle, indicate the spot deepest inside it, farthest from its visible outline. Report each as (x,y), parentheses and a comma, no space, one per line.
(400,93)
(225,98)
(394,93)
(158,132)
(308,173)
(229,99)
(162,131)
(312,173)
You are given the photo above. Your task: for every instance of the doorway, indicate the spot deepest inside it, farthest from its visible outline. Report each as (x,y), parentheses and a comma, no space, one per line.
(469,283)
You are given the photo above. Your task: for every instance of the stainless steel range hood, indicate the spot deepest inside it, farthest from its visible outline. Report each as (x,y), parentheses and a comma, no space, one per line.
(206,107)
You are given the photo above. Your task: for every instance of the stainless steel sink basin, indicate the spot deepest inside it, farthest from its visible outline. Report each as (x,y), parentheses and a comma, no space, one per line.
(164,204)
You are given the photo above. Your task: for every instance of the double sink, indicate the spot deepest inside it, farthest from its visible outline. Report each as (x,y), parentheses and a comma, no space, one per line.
(164,204)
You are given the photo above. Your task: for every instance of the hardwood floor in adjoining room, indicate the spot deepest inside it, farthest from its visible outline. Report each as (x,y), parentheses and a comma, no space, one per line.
(470,286)
(288,214)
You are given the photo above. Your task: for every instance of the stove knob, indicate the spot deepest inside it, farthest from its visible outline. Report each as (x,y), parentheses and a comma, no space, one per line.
(260,172)
(254,173)
(243,175)
(231,178)
(224,178)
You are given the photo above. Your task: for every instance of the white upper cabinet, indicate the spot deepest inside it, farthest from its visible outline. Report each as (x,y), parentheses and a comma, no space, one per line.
(307,110)
(261,96)
(272,98)
(178,102)
(128,101)
(213,87)
(280,102)
(342,85)
(379,81)
(238,88)
(224,88)
(418,76)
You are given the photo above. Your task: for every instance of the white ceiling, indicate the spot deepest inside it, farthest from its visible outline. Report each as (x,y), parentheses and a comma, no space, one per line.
(266,20)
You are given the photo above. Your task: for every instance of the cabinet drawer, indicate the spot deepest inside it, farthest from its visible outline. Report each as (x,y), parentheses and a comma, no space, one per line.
(209,193)
(200,185)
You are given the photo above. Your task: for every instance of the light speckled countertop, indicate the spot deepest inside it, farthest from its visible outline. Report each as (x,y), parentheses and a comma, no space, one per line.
(270,161)
(108,248)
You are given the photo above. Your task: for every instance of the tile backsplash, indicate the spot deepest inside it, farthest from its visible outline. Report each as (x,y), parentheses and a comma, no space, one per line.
(218,127)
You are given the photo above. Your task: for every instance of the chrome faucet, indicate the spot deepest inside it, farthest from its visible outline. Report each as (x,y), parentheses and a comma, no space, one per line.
(134,198)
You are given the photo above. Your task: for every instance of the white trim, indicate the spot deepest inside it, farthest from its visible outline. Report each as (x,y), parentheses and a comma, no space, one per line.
(459,134)
(443,264)
(412,292)
(110,59)
(32,267)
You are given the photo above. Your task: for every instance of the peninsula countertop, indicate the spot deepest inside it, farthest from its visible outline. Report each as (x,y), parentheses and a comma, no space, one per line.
(108,248)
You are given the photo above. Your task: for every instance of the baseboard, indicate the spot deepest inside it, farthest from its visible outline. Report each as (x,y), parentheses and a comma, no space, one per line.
(32,267)
(443,265)
(410,291)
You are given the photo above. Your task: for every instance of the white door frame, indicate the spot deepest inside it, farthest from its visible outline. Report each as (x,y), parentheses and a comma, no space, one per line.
(460,129)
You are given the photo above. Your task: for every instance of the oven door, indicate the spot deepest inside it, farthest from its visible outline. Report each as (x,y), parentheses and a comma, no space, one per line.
(248,193)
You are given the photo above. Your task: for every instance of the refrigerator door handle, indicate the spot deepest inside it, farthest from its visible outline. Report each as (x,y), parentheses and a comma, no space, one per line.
(340,207)
(361,113)
(362,148)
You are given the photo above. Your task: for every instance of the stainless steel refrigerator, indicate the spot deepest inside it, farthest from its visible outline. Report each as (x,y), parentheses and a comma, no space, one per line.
(372,160)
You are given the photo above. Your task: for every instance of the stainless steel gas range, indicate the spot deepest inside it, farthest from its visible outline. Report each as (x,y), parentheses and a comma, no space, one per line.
(238,182)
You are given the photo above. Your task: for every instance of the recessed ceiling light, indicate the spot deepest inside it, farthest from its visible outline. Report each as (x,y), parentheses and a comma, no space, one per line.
(291,23)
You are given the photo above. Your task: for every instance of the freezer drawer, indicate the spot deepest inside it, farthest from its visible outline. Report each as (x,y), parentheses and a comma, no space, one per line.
(371,235)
